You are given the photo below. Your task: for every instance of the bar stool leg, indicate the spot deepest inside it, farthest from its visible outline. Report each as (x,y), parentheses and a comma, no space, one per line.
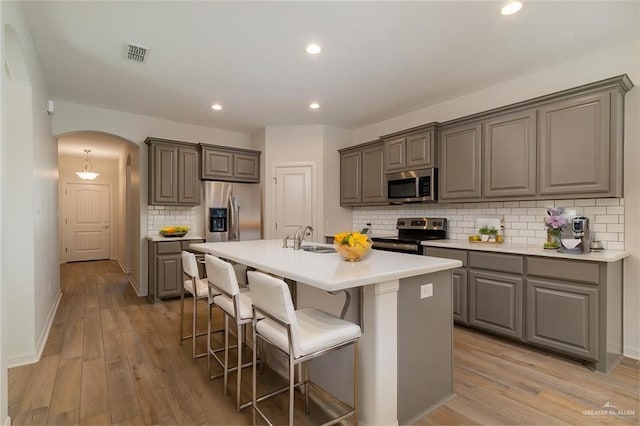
(292,382)
(209,340)
(194,316)
(226,351)
(305,372)
(355,383)
(181,316)
(239,335)
(254,391)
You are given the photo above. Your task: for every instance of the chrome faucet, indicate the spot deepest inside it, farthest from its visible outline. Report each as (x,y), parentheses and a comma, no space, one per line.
(298,238)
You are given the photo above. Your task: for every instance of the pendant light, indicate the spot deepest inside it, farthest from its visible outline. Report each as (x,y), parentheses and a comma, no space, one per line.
(87,173)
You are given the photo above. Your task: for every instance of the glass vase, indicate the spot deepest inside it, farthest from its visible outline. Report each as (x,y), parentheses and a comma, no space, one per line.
(553,238)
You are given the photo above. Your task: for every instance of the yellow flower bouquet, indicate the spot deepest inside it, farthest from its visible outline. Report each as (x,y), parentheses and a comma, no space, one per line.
(352,245)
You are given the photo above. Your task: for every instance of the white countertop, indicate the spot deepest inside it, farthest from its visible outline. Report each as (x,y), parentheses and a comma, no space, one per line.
(162,238)
(529,250)
(327,271)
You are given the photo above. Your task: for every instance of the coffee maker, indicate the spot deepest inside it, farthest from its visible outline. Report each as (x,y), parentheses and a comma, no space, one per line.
(579,230)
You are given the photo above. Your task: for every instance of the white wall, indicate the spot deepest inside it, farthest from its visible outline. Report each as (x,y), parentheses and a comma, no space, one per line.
(30,272)
(336,218)
(608,63)
(4,400)
(72,117)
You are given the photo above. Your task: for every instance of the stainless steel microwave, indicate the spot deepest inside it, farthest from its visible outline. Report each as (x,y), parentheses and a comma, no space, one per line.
(415,186)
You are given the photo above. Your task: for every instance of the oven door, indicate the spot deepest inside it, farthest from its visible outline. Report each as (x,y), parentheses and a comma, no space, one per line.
(412,187)
(397,246)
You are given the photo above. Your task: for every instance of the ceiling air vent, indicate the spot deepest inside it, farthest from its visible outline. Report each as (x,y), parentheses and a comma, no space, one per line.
(135,53)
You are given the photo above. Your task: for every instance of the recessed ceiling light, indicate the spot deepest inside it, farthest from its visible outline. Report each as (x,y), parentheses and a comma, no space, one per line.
(313,49)
(314,105)
(216,107)
(511,7)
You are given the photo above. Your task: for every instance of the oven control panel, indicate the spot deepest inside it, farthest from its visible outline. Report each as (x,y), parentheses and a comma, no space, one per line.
(422,223)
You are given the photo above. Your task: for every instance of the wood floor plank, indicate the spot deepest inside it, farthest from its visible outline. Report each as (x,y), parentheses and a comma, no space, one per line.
(123,400)
(154,405)
(91,297)
(66,390)
(68,418)
(37,416)
(93,346)
(98,420)
(74,334)
(19,379)
(40,386)
(114,349)
(94,390)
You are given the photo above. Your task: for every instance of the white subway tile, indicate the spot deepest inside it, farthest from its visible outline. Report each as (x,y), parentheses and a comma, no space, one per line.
(622,201)
(510,204)
(607,219)
(615,210)
(608,202)
(536,241)
(496,204)
(607,236)
(620,236)
(585,202)
(527,218)
(535,225)
(527,233)
(564,203)
(503,211)
(599,227)
(545,203)
(488,211)
(615,227)
(612,245)
(527,203)
(519,225)
(519,210)
(595,210)
(519,240)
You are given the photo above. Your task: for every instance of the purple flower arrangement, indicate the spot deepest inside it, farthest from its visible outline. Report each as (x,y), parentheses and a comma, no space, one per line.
(555,220)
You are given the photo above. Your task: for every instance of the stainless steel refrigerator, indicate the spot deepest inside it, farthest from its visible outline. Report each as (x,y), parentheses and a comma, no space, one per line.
(232,211)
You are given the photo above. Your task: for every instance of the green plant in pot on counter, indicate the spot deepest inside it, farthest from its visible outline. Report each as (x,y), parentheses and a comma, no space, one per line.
(487,233)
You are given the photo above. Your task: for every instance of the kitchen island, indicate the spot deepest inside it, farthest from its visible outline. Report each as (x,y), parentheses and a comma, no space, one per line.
(405,358)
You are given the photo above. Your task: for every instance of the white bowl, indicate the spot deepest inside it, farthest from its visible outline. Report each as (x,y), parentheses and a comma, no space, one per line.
(570,243)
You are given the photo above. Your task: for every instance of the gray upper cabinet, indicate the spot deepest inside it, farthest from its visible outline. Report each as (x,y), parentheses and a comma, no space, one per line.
(575,146)
(350,178)
(174,177)
(460,162)
(361,175)
(229,164)
(410,151)
(509,155)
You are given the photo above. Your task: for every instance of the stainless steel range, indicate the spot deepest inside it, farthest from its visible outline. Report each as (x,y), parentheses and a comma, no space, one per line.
(411,232)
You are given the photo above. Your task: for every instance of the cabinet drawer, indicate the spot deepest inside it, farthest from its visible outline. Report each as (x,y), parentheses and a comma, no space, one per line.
(572,270)
(460,255)
(168,247)
(497,262)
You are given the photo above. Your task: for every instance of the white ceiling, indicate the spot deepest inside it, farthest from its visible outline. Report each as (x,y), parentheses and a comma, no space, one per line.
(102,145)
(380,59)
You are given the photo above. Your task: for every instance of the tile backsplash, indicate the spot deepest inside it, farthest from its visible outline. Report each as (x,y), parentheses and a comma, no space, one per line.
(523,220)
(160,216)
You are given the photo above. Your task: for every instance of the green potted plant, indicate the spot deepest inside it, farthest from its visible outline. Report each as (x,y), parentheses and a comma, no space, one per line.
(493,233)
(484,233)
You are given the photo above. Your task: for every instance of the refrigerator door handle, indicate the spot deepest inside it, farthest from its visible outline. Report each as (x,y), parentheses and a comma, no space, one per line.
(233,219)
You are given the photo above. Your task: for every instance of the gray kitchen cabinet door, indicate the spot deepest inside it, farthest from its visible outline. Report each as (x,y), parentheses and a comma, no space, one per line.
(421,150)
(164,179)
(246,167)
(169,274)
(563,317)
(373,184)
(395,157)
(495,302)
(217,164)
(350,175)
(460,162)
(460,295)
(509,155)
(574,144)
(188,176)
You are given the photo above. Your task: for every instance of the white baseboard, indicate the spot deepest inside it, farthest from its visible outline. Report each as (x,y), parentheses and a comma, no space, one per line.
(121,265)
(7,421)
(134,286)
(631,352)
(33,357)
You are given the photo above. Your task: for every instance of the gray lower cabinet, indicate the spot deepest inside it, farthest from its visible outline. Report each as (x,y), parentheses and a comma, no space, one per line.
(165,268)
(230,164)
(460,296)
(174,177)
(460,162)
(509,155)
(495,302)
(563,316)
(361,175)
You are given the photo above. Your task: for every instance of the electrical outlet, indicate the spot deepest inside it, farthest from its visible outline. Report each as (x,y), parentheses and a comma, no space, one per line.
(426,290)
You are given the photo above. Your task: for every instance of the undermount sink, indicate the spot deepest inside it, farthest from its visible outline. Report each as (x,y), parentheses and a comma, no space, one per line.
(318,249)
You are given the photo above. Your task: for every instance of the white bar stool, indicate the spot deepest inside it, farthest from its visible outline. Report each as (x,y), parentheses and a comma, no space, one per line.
(235,304)
(198,288)
(301,335)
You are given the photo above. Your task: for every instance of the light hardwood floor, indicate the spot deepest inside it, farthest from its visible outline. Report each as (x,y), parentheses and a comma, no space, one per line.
(114,358)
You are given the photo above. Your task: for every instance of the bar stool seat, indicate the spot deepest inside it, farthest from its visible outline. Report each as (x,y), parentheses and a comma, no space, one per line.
(226,304)
(201,287)
(317,330)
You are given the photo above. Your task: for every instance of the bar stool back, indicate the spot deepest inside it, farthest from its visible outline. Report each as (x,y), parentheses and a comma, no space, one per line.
(301,335)
(235,304)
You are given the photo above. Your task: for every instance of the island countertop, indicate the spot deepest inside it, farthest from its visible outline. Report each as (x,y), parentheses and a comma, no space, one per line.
(327,271)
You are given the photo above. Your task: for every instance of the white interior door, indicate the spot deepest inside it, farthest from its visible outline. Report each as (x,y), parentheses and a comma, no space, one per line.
(87,224)
(294,199)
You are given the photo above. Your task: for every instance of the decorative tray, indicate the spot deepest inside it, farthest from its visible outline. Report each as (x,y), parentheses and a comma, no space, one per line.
(486,242)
